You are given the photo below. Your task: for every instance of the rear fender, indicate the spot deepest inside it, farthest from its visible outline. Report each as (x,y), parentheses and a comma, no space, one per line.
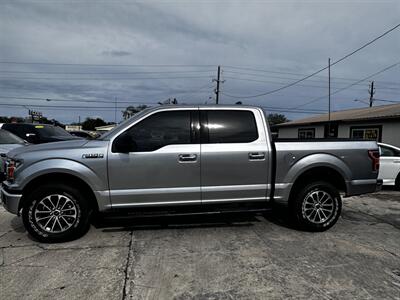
(283,188)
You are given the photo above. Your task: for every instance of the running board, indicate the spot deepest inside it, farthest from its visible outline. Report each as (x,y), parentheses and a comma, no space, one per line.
(154,214)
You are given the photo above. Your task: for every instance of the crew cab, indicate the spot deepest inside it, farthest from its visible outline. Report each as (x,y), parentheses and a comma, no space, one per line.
(200,158)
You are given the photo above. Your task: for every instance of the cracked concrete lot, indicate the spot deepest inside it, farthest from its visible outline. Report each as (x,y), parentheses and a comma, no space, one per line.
(219,257)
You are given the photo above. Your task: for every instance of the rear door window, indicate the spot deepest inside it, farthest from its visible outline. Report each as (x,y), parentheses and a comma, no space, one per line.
(386,151)
(229,126)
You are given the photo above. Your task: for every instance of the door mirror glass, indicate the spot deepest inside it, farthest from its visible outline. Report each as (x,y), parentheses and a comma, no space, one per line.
(124,144)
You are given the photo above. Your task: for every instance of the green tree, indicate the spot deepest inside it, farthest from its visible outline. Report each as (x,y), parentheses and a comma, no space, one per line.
(54,122)
(274,119)
(91,124)
(131,110)
(11,119)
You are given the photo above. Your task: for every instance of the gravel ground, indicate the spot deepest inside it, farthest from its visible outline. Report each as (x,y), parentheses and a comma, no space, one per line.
(219,257)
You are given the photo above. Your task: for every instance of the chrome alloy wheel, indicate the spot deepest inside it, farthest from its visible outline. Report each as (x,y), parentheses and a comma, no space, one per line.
(56,213)
(318,207)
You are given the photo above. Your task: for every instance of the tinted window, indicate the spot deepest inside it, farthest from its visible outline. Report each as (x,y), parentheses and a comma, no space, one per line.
(231,126)
(162,129)
(50,131)
(7,137)
(386,151)
(13,129)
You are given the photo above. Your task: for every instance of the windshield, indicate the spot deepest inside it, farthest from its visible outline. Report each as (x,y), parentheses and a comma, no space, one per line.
(7,137)
(106,135)
(46,131)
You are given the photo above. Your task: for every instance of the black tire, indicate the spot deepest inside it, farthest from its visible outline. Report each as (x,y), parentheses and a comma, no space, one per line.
(397,183)
(72,220)
(312,214)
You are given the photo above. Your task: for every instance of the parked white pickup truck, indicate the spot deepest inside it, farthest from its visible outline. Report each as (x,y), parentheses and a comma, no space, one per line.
(201,159)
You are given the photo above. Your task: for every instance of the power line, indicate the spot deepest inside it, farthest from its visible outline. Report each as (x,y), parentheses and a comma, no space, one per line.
(323,78)
(290,109)
(70,100)
(48,99)
(291,78)
(108,108)
(350,85)
(384,100)
(104,73)
(114,78)
(62,106)
(192,71)
(109,65)
(320,70)
(272,82)
(75,108)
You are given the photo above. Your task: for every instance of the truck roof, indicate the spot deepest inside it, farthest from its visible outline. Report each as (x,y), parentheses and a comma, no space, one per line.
(220,106)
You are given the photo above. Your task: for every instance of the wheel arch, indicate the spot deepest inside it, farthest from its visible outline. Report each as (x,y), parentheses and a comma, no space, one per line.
(60,177)
(319,173)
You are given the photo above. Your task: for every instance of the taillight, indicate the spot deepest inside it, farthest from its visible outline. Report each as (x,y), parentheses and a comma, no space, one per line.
(374,156)
(10,170)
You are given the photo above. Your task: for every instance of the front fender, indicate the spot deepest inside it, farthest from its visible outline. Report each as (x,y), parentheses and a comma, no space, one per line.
(64,166)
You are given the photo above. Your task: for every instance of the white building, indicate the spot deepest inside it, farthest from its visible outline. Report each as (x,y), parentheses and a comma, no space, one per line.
(381,123)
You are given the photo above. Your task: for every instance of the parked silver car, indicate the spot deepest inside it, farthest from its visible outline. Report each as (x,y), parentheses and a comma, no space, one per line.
(201,159)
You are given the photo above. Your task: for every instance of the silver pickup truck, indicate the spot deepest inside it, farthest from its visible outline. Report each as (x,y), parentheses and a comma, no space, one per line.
(201,159)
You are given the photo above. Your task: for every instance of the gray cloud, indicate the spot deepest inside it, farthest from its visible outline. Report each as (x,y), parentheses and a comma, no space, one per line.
(278,36)
(116,53)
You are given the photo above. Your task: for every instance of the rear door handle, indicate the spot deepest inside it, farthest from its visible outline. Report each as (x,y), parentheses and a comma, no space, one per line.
(187,157)
(256,155)
(397,161)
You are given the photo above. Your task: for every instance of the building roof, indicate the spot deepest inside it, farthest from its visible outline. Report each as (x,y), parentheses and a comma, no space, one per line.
(357,114)
(105,127)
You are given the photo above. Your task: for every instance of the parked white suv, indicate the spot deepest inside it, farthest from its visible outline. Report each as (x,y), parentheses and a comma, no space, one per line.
(389,170)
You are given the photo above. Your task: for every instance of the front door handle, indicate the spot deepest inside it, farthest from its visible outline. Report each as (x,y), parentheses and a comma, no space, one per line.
(397,161)
(256,155)
(187,157)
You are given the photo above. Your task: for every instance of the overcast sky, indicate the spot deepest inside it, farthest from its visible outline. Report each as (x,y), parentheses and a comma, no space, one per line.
(143,52)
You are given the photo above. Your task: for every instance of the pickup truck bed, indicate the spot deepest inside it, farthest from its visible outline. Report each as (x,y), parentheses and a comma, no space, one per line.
(342,161)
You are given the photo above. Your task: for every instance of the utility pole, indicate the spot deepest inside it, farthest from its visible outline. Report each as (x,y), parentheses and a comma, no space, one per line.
(329,91)
(371,94)
(115,111)
(329,97)
(217,89)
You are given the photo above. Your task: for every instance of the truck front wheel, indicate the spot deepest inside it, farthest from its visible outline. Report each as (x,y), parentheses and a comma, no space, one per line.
(317,206)
(56,213)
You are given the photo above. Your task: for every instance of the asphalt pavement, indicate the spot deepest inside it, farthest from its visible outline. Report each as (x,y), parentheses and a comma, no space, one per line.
(243,256)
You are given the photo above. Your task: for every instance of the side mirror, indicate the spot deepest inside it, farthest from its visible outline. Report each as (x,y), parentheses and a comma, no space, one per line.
(124,144)
(31,137)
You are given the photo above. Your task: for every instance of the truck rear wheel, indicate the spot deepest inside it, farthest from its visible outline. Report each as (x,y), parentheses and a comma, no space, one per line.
(56,213)
(317,206)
